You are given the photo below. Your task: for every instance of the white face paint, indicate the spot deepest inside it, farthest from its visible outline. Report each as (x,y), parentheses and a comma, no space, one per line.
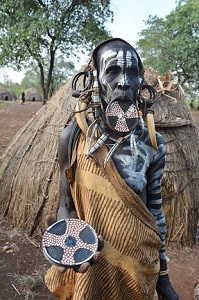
(118,70)
(103,65)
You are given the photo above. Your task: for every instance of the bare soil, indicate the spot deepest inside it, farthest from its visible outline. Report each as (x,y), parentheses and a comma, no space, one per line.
(22,264)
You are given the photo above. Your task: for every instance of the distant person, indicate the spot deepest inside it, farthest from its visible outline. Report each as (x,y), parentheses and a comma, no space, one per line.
(23,98)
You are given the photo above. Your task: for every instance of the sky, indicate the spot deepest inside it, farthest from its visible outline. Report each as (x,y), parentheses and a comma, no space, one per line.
(129,17)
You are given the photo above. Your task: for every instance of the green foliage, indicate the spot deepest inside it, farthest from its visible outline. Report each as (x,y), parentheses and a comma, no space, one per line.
(195,104)
(15,87)
(173,43)
(193,101)
(36,28)
(62,71)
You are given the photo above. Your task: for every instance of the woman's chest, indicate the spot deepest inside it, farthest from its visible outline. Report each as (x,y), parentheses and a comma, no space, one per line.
(133,168)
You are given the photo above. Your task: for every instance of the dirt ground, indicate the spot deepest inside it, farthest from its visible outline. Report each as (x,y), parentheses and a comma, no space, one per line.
(22,264)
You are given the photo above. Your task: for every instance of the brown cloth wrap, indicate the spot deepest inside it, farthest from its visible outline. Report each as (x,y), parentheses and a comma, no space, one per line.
(129,267)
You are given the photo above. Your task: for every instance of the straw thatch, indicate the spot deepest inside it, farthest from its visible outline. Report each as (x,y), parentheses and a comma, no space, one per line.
(29,170)
(7,94)
(180,182)
(181,175)
(32,94)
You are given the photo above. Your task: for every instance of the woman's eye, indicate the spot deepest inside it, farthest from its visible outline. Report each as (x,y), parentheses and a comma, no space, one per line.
(133,71)
(112,71)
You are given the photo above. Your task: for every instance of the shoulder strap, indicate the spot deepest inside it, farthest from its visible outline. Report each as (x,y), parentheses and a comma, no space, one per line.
(75,132)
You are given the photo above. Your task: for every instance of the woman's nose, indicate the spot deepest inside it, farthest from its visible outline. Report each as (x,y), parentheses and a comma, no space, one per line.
(123,83)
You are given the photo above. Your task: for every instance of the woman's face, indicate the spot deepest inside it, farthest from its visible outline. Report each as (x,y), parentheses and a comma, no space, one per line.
(118,73)
(118,85)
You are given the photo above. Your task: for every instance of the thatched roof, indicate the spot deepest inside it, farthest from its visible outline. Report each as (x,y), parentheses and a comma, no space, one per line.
(180,182)
(32,94)
(33,156)
(172,109)
(7,94)
(29,168)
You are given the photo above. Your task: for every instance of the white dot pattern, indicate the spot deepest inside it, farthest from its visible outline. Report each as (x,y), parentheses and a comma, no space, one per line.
(115,110)
(73,228)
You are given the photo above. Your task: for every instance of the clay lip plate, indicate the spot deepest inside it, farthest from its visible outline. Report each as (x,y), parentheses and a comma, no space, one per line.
(122,116)
(69,242)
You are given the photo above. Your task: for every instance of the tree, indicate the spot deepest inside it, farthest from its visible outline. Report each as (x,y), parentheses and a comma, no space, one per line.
(36,28)
(62,70)
(61,73)
(173,43)
(9,84)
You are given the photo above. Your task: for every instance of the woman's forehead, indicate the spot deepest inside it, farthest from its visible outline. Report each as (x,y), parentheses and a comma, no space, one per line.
(119,57)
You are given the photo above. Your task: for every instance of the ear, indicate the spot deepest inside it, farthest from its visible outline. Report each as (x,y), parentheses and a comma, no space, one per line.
(146,97)
(83,80)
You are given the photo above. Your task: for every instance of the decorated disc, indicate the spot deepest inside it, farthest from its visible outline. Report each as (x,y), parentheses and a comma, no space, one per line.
(69,242)
(122,116)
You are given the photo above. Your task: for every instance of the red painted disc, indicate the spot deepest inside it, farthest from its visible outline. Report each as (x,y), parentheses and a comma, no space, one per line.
(122,116)
(69,242)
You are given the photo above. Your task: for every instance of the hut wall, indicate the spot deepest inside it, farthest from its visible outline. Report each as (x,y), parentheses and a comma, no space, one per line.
(7,94)
(180,185)
(180,181)
(32,94)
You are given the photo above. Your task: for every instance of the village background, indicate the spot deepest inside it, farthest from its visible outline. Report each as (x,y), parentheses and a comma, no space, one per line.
(22,264)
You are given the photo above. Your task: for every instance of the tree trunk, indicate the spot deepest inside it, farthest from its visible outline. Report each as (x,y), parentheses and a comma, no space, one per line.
(50,71)
(29,169)
(42,81)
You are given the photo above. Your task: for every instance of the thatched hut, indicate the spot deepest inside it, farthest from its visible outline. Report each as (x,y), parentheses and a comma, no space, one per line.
(28,197)
(7,94)
(29,168)
(32,94)
(181,175)
(180,182)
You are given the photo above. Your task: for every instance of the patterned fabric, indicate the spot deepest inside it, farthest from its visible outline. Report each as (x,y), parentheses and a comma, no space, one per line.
(129,267)
(143,173)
